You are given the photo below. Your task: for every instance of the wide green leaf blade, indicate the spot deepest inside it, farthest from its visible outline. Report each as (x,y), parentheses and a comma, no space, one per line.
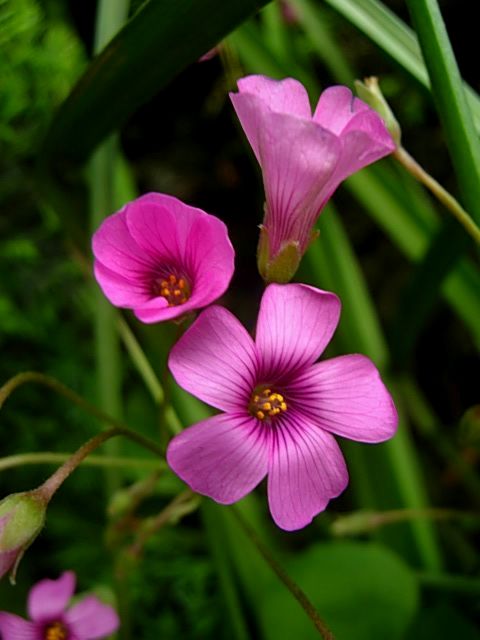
(161,39)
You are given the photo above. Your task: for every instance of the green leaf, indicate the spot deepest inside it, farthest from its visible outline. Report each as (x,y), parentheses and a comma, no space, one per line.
(395,38)
(362,591)
(447,89)
(161,39)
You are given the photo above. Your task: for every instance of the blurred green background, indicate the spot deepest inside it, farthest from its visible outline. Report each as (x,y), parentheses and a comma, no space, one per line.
(407,275)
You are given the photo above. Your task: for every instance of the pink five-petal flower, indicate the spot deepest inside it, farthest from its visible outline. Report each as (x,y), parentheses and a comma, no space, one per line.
(281,409)
(162,258)
(89,619)
(303,157)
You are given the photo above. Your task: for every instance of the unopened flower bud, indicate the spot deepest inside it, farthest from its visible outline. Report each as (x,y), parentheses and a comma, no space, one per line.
(22,516)
(369,91)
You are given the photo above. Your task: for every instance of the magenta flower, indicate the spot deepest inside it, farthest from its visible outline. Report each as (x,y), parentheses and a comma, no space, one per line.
(280,408)
(50,618)
(162,258)
(303,158)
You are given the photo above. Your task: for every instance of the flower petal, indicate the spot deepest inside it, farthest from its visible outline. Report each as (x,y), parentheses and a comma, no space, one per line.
(346,396)
(7,560)
(223,457)
(284,96)
(216,360)
(307,469)
(295,324)
(121,291)
(336,107)
(114,247)
(15,628)
(48,598)
(298,159)
(90,619)
(160,225)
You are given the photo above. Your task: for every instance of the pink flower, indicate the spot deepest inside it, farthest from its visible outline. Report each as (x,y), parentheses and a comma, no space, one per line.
(50,618)
(303,158)
(280,408)
(162,258)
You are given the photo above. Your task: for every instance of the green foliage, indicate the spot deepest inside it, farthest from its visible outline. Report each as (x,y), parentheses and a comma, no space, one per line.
(363,590)
(40,57)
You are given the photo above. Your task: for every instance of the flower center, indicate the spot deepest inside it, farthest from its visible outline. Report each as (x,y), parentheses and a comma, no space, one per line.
(266,403)
(173,288)
(55,631)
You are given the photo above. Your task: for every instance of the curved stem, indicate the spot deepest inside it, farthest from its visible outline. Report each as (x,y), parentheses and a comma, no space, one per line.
(412,166)
(291,585)
(181,505)
(367,521)
(50,457)
(50,486)
(52,383)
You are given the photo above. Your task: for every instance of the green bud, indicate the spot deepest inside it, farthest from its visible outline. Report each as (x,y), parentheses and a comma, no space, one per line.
(369,91)
(22,516)
(282,267)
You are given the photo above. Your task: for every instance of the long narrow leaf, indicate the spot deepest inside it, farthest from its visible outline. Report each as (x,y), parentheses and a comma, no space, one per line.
(160,40)
(395,38)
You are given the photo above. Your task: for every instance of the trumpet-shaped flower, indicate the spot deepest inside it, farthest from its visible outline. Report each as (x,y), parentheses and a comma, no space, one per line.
(162,258)
(303,157)
(50,619)
(280,408)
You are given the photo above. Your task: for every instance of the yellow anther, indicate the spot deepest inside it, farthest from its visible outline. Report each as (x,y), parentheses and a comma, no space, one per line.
(175,290)
(264,404)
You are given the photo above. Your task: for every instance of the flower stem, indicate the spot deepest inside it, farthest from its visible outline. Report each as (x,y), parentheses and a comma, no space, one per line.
(60,388)
(50,457)
(181,505)
(412,166)
(361,522)
(292,586)
(50,486)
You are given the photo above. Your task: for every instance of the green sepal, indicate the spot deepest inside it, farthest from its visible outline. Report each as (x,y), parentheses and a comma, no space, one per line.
(283,266)
(369,91)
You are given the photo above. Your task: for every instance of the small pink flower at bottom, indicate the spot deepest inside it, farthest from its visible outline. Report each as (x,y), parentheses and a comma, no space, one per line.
(51,620)
(162,258)
(281,409)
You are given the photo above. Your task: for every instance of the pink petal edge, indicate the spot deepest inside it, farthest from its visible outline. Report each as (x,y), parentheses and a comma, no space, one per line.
(223,457)
(347,397)
(295,324)
(306,471)
(216,360)
(13,627)
(90,619)
(48,599)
